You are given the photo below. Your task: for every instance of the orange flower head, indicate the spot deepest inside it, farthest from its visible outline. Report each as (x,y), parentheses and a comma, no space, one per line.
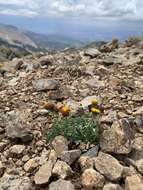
(64,110)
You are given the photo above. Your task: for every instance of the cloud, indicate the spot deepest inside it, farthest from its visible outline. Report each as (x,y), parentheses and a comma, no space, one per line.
(12,2)
(19,12)
(122,9)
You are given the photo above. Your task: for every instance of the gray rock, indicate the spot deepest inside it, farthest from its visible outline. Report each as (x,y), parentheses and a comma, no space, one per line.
(111,60)
(61,185)
(45,84)
(70,156)
(92,52)
(59,94)
(93,152)
(29,66)
(15,182)
(18,127)
(108,166)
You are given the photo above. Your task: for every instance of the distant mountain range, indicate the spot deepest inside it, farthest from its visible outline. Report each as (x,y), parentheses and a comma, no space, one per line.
(31,41)
(16,42)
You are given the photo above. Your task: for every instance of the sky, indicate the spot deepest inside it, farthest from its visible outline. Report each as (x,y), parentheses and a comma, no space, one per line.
(81,19)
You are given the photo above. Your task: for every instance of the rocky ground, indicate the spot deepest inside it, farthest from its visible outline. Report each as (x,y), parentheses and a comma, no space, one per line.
(114,75)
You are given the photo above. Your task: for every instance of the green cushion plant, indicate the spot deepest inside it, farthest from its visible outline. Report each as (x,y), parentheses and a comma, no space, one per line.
(76,129)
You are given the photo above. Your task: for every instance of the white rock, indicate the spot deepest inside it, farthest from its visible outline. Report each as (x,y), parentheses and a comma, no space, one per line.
(60,144)
(16,150)
(87,101)
(61,185)
(86,162)
(62,170)
(15,182)
(112,186)
(92,52)
(92,179)
(134,182)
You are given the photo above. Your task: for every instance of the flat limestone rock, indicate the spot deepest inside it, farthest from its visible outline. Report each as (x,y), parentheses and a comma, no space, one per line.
(45,84)
(116,139)
(92,52)
(108,166)
(70,156)
(45,171)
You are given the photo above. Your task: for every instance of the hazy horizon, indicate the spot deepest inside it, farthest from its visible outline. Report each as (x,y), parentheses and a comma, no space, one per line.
(82,20)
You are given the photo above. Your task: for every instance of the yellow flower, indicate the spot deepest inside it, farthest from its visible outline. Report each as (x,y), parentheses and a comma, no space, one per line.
(94,110)
(94,102)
